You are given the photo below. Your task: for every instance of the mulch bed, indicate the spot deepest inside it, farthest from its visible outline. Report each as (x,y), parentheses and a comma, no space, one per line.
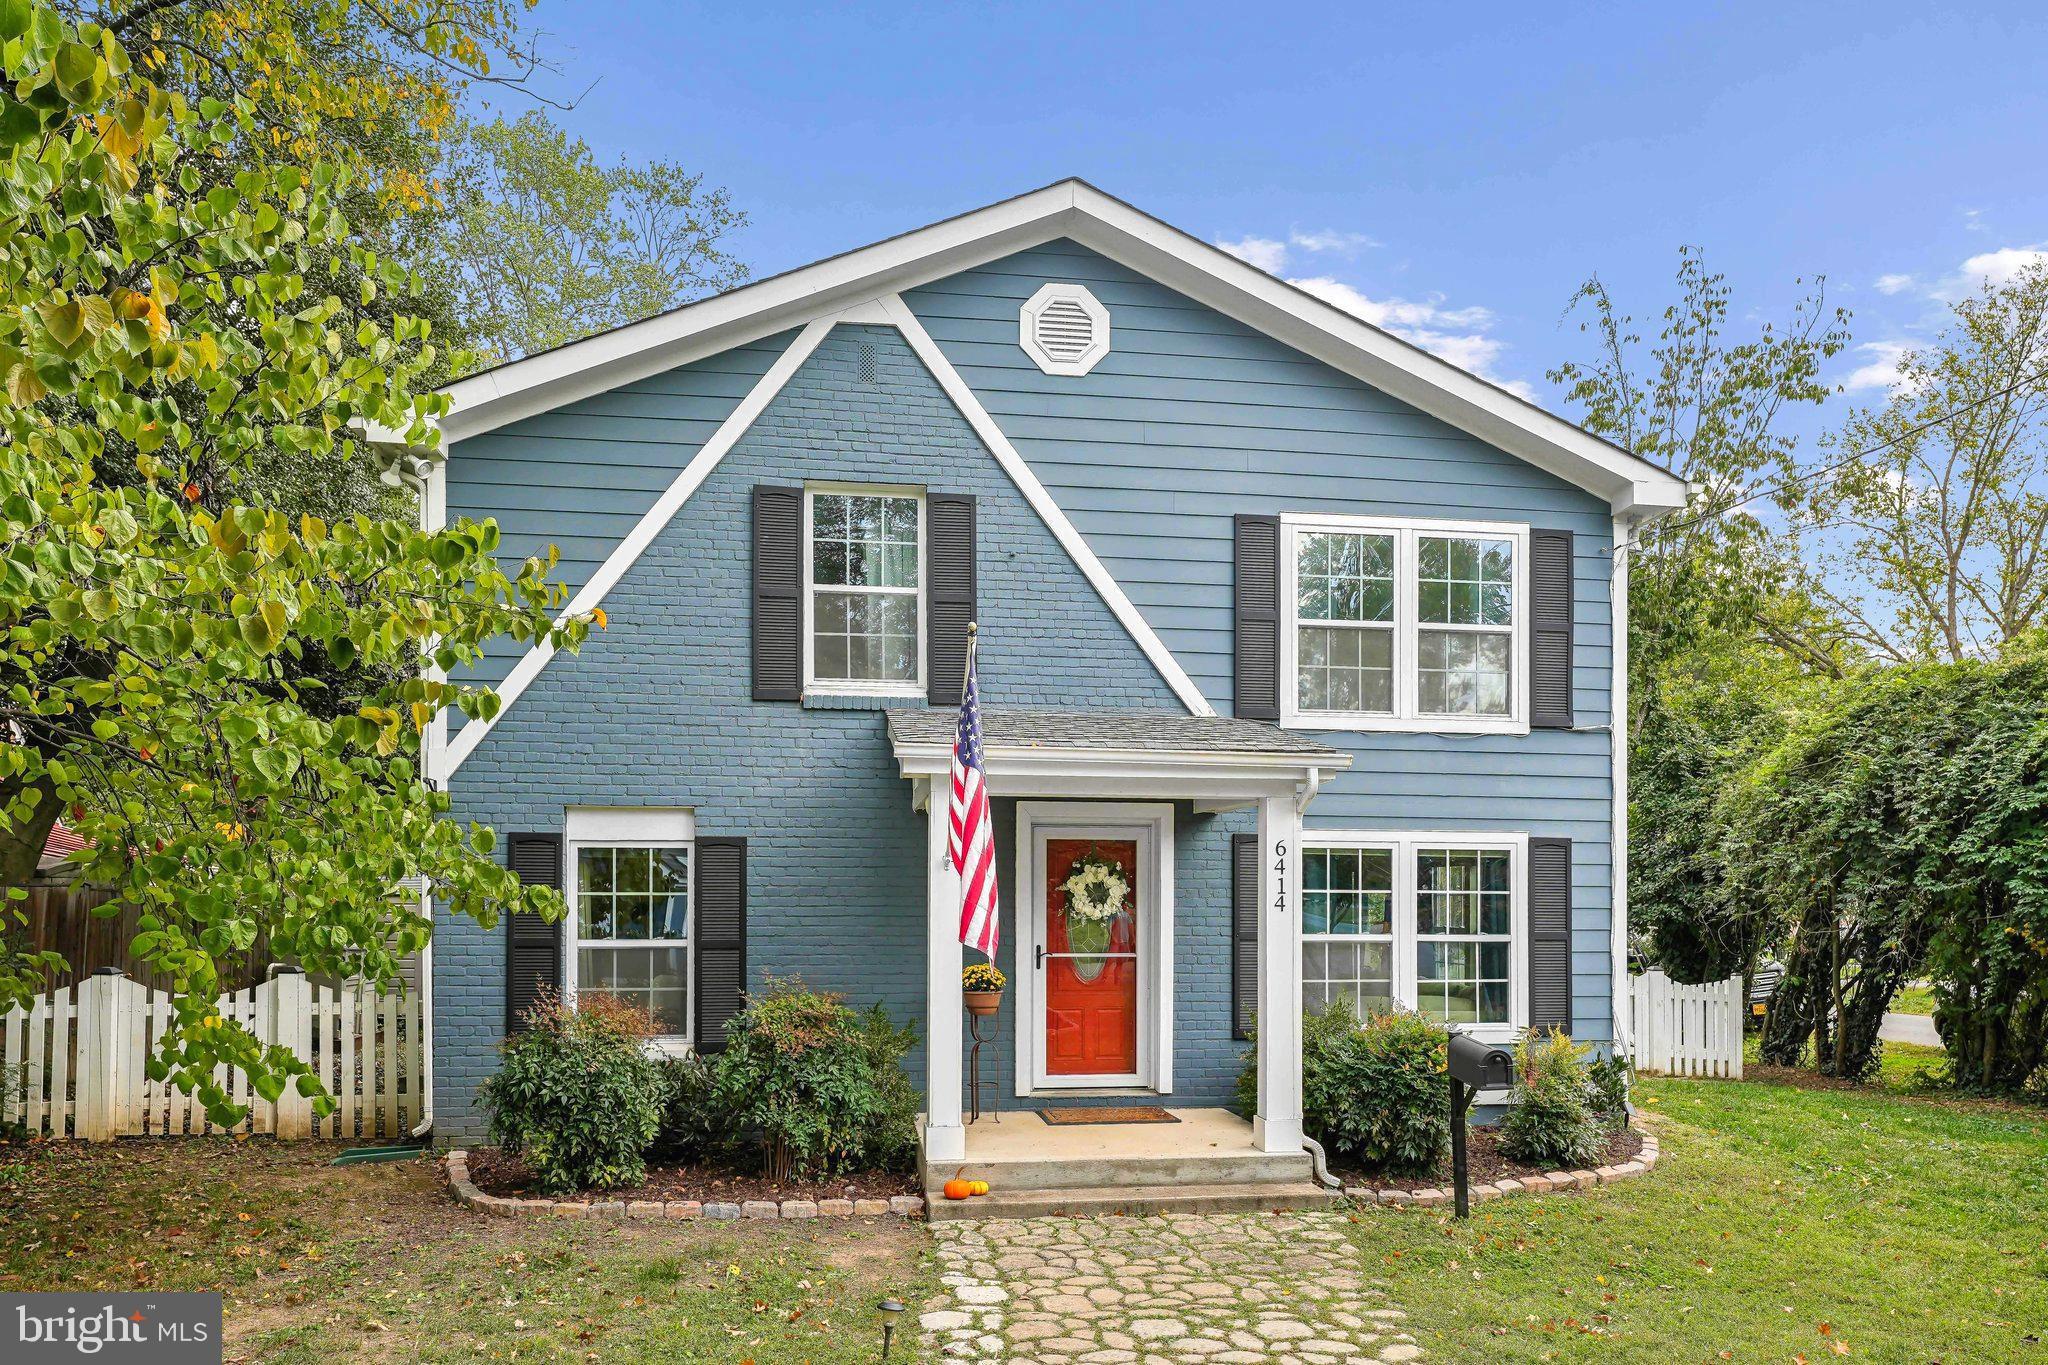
(1485,1163)
(494,1172)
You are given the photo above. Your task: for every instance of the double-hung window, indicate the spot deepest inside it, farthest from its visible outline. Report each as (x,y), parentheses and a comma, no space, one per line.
(631,930)
(1433,922)
(1405,625)
(863,590)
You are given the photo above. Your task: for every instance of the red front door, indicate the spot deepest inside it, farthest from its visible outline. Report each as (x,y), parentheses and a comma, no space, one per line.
(1091,974)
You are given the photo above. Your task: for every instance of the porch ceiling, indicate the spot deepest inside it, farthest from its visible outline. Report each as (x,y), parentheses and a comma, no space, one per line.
(1034,752)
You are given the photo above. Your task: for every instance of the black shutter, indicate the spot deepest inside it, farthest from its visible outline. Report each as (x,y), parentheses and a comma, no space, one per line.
(1550,634)
(1255,617)
(1550,933)
(1244,933)
(533,947)
(778,594)
(949,581)
(721,936)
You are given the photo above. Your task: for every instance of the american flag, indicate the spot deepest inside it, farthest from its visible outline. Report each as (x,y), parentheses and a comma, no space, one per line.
(972,847)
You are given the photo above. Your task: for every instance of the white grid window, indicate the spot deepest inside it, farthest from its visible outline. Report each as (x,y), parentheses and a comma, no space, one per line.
(1405,625)
(1347,928)
(1427,922)
(1464,934)
(1464,608)
(864,575)
(633,929)
(1344,606)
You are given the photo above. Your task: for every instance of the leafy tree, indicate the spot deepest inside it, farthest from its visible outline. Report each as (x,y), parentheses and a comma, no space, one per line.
(160,335)
(1711,411)
(1715,718)
(1900,830)
(543,245)
(1940,544)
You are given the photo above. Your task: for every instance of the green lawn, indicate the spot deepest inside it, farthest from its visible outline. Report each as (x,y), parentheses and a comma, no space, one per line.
(376,1263)
(1913,1000)
(1784,1222)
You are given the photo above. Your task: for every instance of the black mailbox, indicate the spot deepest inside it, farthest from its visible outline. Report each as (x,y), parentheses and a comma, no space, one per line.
(1474,1066)
(1482,1066)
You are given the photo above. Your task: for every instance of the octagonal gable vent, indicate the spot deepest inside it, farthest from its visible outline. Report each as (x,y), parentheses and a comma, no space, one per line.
(1064,329)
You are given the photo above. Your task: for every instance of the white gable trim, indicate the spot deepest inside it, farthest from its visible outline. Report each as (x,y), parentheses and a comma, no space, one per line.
(1048,511)
(650,525)
(1085,214)
(886,311)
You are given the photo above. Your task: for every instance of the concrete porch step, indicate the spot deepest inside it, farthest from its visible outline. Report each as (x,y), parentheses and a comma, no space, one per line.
(1191,1198)
(1100,1169)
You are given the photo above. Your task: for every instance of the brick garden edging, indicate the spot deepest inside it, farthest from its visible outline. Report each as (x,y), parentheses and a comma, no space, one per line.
(1528,1184)
(466,1192)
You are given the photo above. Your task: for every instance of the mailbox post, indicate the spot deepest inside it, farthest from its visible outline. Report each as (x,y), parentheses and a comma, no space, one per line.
(1474,1066)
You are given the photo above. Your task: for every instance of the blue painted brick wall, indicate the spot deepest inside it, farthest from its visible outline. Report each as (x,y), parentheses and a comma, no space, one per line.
(656,711)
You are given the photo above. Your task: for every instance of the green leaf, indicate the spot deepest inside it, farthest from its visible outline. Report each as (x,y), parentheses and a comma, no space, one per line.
(78,72)
(14,18)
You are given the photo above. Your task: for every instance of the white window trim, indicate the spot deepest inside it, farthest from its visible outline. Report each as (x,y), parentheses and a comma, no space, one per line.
(815,686)
(607,827)
(1406,718)
(1404,844)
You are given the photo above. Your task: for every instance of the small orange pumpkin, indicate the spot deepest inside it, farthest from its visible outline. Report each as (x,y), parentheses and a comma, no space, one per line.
(958,1189)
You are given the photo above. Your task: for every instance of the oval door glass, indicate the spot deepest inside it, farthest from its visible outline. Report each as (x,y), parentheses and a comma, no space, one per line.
(1091,967)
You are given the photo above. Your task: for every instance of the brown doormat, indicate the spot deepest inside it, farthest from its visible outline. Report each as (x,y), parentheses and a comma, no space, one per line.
(1129,1113)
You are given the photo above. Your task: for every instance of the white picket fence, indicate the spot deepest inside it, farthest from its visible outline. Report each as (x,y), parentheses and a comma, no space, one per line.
(1687,1030)
(73,1063)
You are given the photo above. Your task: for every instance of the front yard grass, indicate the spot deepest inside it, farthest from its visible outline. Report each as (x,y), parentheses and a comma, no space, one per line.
(321,1263)
(1786,1222)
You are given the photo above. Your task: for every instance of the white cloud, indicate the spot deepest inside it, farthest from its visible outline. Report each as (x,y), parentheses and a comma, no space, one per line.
(1894,284)
(1330,239)
(1881,371)
(2001,265)
(1263,252)
(1458,335)
(1973,220)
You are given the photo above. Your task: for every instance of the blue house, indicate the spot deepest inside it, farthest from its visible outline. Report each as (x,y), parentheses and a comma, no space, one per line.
(1298,644)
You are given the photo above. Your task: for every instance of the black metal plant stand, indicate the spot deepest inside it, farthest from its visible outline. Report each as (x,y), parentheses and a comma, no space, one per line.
(974,1081)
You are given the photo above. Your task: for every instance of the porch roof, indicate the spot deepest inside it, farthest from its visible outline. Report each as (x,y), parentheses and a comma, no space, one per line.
(1023,746)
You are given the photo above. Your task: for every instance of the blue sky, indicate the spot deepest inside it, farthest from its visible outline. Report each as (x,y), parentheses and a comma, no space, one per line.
(1452,171)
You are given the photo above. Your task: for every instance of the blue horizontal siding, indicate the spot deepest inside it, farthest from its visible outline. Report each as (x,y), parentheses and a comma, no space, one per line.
(1191,418)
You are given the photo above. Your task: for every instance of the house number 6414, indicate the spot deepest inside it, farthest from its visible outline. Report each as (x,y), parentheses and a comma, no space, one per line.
(1279,876)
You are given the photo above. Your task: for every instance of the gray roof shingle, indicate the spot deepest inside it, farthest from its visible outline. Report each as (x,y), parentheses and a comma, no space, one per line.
(1161,731)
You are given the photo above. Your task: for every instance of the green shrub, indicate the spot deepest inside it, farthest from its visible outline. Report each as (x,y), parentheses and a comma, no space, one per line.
(694,1125)
(1372,1090)
(576,1096)
(1607,1082)
(1551,1122)
(821,1085)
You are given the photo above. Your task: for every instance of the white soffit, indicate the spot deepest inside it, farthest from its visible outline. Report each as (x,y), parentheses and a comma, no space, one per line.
(1076,210)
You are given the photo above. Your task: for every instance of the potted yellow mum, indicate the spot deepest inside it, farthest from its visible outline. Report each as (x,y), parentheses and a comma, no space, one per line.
(981,986)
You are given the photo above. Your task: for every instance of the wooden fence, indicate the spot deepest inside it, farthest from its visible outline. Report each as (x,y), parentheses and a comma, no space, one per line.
(1687,1030)
(59,917)
(74,1062)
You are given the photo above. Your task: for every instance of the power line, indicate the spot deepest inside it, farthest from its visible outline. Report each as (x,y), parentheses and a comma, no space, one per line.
(1789,484)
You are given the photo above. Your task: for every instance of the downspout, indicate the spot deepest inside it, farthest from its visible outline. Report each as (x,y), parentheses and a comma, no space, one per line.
(1617,743)
(1306,792)
(429,483)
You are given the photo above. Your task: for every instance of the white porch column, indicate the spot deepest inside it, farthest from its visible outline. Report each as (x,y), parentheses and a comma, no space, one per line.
(1277,1125)
(944,1138)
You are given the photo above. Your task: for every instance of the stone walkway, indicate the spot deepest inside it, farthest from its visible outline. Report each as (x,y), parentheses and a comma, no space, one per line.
(1247,1288)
